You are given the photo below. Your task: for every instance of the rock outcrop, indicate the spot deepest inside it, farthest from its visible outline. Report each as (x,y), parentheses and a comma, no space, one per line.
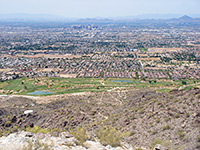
(23,140)
(160,147)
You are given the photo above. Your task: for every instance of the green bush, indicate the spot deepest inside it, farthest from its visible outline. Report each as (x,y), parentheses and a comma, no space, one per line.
(37,129)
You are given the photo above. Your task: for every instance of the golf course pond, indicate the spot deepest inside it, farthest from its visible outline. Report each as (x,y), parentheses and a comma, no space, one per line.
(40,93)
(125,81)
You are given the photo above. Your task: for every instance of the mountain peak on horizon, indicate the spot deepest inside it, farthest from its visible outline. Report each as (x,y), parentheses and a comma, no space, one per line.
(185,17)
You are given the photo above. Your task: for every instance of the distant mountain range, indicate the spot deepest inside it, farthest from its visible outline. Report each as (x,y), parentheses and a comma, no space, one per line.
(56,18)
(32,17)
(180,19)
(158,16)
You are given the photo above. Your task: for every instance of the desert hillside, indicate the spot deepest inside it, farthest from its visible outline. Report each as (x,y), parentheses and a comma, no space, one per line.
(141,118)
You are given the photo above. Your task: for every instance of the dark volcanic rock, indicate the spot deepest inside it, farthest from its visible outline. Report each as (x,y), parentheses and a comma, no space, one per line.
(14,119)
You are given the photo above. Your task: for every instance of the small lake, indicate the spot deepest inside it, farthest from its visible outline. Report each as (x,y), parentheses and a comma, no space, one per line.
(123,81)
(40,93)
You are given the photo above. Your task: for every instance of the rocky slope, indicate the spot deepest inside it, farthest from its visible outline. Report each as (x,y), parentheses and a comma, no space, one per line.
(26,140)
(143,117)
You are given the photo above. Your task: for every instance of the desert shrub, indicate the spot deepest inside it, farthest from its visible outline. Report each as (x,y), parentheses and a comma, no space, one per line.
(180,134)
(176,100)
(157,120)
(80,134)
(37,145)
(154,132)
(198,146)
(187,115)
(8,123)
(15,129)
(150,115)
(167,119)
(132,133)
(133,117)
(29,146)
(184,83)
(141,111)
(109,136)
(55,130)
(176,116)
(37,129)
(164,143)
(198,138)
(133,127)
(166,127)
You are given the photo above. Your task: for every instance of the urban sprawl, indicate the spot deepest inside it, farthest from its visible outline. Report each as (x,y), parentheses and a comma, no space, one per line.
(100,51)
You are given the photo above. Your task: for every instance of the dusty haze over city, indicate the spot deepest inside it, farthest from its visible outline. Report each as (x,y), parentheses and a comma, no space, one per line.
(99,8)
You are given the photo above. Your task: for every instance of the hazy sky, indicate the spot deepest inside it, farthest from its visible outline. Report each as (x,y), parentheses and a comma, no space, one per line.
(100,8)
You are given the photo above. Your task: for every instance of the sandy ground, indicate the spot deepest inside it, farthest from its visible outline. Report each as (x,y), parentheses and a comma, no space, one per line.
(48,99)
